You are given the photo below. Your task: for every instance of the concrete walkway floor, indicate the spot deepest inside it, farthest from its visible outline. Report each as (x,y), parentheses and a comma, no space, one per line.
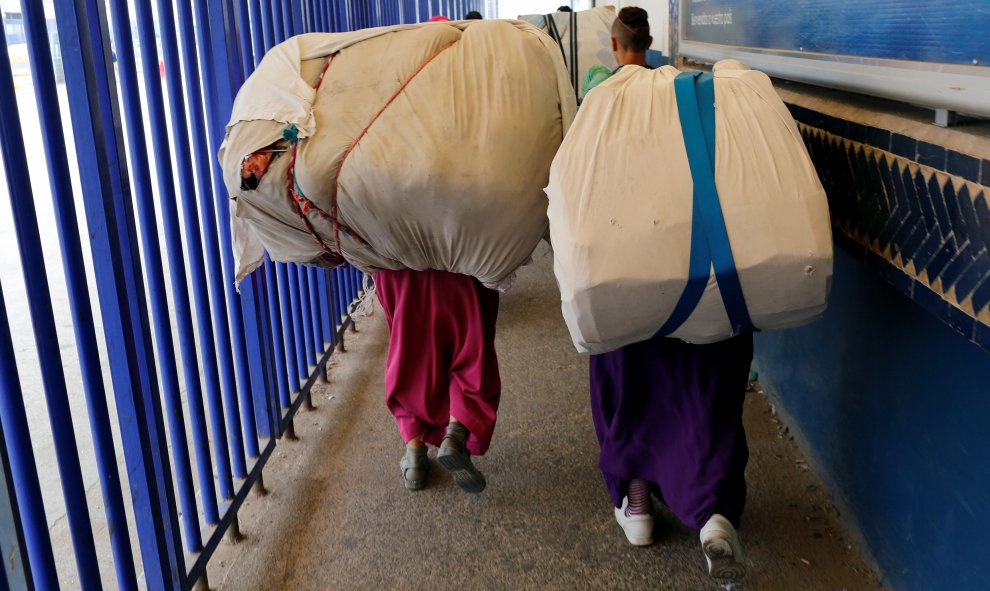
(338,517)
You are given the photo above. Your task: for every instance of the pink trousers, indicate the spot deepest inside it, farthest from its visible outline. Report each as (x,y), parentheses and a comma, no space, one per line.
(441,354)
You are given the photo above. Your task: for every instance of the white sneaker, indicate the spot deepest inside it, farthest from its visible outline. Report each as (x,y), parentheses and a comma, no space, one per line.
(638,528)
(720,543)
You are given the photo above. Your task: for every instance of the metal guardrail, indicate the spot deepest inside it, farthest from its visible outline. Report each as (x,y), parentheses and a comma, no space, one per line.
(248,359)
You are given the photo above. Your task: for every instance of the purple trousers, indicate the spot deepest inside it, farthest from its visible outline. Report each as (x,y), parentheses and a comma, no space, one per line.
(670,413)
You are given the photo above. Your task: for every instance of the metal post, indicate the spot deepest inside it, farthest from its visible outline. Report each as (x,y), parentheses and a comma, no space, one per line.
(287,327)
(316,310)
(257,31)
(15,572)
(45,335)
(307,317)
(73,266)
(278,25)
(267,24)
(154,274)
(262,387)
(286,19)
(40,567)
(341,290)
(297,18)
(187,194)
(92,91)
(278,334)
(295,302)
(221,84)
(333,319)
(213,256)
(244,27)
(323,289)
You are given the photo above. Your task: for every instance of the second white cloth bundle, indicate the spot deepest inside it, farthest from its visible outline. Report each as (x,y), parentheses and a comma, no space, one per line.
(686,205)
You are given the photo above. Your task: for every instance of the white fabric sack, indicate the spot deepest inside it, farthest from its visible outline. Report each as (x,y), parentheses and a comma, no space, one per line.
(593,39)
(620,209)
(448,131)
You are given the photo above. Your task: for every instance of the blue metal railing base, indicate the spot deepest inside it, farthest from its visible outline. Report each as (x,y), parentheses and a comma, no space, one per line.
(214,534)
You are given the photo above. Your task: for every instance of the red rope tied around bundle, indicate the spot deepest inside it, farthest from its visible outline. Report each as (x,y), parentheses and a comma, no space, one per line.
(398,91)
(303,205)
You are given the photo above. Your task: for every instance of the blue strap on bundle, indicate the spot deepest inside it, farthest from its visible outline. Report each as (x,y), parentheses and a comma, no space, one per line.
(710,247)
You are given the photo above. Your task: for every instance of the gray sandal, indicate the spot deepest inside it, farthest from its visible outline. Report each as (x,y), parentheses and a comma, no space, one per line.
(454,456)
(415,466)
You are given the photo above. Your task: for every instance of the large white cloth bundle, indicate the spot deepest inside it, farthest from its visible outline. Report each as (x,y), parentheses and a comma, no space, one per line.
(421,146)
(593,41)
(629,221)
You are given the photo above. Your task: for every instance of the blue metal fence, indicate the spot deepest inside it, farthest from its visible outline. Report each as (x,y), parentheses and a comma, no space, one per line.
(216,402)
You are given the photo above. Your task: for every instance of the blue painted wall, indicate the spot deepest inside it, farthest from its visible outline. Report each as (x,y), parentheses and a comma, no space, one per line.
(942,31)
(893,407)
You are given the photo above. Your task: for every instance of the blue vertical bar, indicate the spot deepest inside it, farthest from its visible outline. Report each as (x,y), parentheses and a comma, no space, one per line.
(267,335)
(263,390)
(92,93)
(348,288)
(17,439)
(15,572)
(338,15)
(278,24)
(149,236)
(341,294)
(278,344)
(295,300)
(297,17)
(286,18)
(345,273)
(288,329)
(257,31)
(345,12)
(74,268)
(324,291)
(331,309)
(267,24)
(45,336)
(221,85)
(307,318)
(245,36)
(356,278)
(229,408)
(316,310)
(244,25)
(187,338)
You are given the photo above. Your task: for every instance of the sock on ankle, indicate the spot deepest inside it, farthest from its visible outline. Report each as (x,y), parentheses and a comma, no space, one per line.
(640,501)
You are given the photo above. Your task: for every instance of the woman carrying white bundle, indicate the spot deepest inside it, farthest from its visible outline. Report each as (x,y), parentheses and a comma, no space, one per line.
(668,414)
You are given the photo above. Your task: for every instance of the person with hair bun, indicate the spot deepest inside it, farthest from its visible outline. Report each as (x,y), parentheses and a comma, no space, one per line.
(667,413)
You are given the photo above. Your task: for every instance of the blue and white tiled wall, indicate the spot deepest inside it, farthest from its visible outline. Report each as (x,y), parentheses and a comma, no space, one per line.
(915,212)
